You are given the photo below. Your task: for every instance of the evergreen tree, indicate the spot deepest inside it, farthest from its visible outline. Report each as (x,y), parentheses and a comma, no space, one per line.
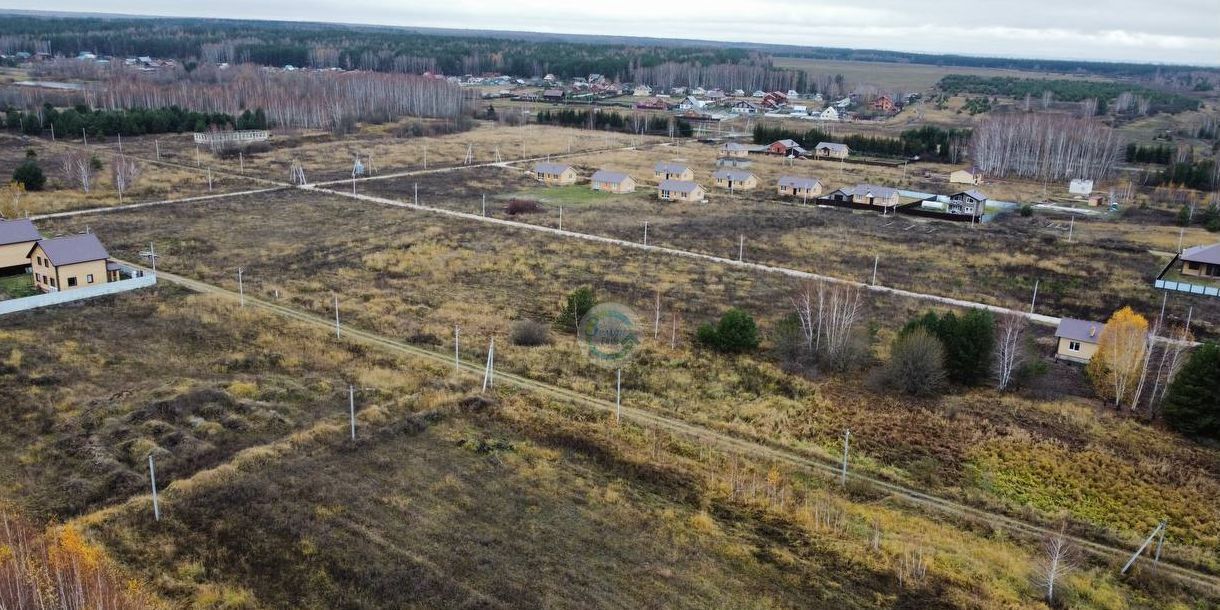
(29,174)
(735,333)
(968,341)
(1192,405)
(578,303)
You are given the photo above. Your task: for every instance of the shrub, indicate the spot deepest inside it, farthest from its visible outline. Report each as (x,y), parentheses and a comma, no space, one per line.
(1192,405)
(916,365)
(735,333)
(529,333)
(1026,210)
(30,175)
(522,206)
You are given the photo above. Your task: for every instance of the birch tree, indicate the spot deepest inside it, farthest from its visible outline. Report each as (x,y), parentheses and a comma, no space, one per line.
(1058,558)
(829,314)
(77,168)
(1116,368)
(1010,348)
(124,172)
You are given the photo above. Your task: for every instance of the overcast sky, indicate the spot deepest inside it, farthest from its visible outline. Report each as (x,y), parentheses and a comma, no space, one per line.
(1164,31)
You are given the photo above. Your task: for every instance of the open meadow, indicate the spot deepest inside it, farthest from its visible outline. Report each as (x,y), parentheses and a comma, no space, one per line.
(412,277)
(447,497)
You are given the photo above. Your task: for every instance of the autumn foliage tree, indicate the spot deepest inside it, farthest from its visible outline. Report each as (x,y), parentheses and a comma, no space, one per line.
(1116,368)
(56,567)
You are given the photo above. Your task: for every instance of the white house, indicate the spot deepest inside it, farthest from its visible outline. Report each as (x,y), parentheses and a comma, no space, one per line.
(641,91)
(800,110)
(829,114)
(1080,186)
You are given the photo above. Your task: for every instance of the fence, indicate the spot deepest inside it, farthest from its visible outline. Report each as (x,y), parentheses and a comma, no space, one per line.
(1207,291)
(226,137)
(137,279)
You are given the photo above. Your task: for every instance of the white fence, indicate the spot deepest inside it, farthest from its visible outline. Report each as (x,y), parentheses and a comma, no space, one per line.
(139,280)
(226,137)
(1209,291)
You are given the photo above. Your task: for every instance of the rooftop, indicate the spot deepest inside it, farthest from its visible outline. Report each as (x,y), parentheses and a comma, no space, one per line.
(605,175)
(681,186)
(1086,331)
(551,168)
(731,174)
(73,249)
(1203,254)
(798,182)
(17,232)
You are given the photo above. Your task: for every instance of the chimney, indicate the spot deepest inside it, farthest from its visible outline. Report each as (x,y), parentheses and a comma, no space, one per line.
(1092,330)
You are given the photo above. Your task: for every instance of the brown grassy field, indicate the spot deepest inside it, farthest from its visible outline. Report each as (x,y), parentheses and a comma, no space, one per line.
(908,77)
(156,182)
(413,277)
(447,498)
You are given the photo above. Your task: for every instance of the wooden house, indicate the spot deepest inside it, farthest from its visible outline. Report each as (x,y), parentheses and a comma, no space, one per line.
(831,150)
(797,186)
(17,237)
(680,190)
(666,170)
(1201,261)
(867,194)
(735,179)
(1077,339)
(607,181)
(75,261)
(555,174)
(969,203)
(972,176)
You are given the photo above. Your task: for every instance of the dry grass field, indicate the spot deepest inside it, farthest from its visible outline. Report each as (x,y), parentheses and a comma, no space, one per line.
(905,77)
(155,182)
(447,498)
(412,277)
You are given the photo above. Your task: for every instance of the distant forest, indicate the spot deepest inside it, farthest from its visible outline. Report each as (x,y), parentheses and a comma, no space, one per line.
(393,49)
(1064,90)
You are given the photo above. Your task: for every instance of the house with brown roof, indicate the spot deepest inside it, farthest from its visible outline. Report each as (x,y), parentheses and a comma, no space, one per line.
(735,179)
(555,174)
(74,261)
(797,186)
(788,148)
(667,170)
(1077,339)
(607,181)
(884,104)
(831,150)
(680,190)
(553,95)
(17,237)
(1201,261)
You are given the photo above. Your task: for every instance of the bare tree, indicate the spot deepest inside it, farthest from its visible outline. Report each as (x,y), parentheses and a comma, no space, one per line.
(1010,348)
(828,313)
(1059,557)
(124,172)
(77,168)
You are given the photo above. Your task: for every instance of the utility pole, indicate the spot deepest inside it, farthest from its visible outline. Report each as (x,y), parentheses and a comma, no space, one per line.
(846,445)
(415,188)
(741,247)
(1071,228)
(560,218)
(1159,527)
(152,477)
(1160,543)
(485,204)
(645,232)
(157,145)
(488,372)
(876,261)
(241,161)
(241,290)
(618,396)
(425,155)
(336,297)
(1034,301)
(151,255)
(351,408)
(457,358)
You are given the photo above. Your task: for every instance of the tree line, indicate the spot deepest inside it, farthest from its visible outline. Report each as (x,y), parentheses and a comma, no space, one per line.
(614,121)
(927,142)
(1066,91)
(1153,153)
(1199,175)
(1044,146)
(73,121)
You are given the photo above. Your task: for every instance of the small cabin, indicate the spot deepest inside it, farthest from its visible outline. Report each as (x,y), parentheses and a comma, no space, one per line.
(735,179)
(17,238)
(555,174)
(831,150)
(966,176)
(680,190)
(607,181)
(1201,261)
(797,186)
(673,171)
(1077,340)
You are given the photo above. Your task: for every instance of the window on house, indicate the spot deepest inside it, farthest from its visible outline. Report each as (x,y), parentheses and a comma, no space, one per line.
(1073,346)
(89,278)
(71,281)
